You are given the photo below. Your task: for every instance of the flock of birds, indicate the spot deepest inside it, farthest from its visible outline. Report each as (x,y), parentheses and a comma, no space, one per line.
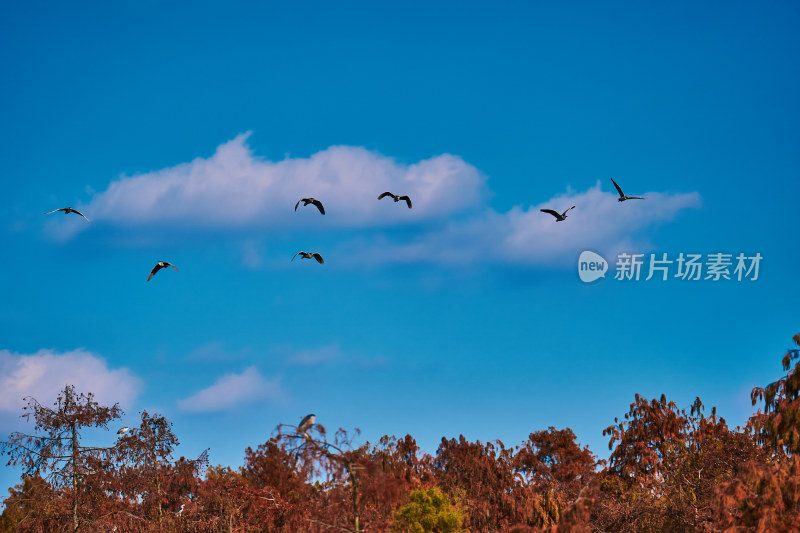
(309,420)
(302,254)
(560,217)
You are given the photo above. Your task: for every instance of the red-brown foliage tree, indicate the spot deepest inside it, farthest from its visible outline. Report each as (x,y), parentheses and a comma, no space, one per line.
(55,453)
(666,466)
(555,469)
(337,501)
(670,470)
(765,494)
(283,481)
(481,477)
(31,506)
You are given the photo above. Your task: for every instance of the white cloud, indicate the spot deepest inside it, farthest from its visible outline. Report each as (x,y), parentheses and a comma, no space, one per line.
(526,236)
(451,222)
(232,390)
(234,189)
(44,374)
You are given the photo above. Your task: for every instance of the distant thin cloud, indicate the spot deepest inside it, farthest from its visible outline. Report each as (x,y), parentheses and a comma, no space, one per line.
(233,390)
(215,351)
(42,375)
(316,356)
(332,354)
(251,257)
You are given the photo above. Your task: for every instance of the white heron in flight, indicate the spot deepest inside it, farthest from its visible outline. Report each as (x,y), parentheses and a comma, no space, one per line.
(559,216)
(396,198)
(68,210)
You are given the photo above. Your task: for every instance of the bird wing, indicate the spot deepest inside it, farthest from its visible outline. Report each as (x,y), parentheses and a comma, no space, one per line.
(555,214)
(173,266)
(298,253)
(567,211)
(387,193)
(319,206)
(318,258)
(619,190)
(81,214)
(153,272)
(407,199)
(298,203)
(54,210)
(635,197)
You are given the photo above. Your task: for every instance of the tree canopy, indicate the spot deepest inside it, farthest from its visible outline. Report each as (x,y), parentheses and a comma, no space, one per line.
(670,469)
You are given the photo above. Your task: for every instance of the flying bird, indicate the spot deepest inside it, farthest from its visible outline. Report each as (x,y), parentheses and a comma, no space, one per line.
(68,210)
(123,430)
(622,196)
(159,266)
(559,216)
(396,198)
(306,423)
(307,201)
(309,255)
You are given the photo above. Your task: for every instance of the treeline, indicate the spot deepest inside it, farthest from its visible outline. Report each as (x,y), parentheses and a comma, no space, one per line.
(670,469)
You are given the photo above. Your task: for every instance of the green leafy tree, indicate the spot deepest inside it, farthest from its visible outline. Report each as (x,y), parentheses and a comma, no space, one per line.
(428,511)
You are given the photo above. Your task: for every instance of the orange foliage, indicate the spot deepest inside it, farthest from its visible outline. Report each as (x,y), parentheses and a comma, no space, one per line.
(670,470)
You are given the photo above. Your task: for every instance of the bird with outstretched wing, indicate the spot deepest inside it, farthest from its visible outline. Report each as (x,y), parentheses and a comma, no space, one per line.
(309,255)
(313,201)
(622,196)
(68,210)
(559,216)
(159,266)
(396,198)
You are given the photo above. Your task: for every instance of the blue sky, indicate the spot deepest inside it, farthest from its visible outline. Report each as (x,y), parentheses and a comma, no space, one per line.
(186,132)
